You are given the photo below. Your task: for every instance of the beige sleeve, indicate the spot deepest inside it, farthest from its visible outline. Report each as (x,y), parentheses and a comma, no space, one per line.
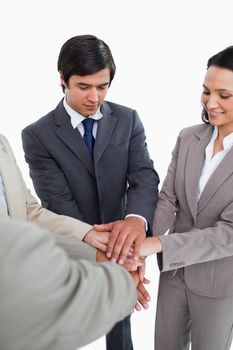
(52,301)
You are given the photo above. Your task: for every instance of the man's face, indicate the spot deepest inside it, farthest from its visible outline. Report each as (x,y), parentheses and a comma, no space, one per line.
(86,93)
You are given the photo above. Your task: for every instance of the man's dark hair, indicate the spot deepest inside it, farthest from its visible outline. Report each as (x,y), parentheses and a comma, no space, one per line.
(84,55)
(223,59)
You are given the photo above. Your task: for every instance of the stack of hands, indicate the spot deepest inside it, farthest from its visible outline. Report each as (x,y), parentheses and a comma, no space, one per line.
(125,243)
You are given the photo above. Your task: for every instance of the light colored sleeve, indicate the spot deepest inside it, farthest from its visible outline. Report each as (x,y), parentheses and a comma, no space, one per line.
(199,245)
(75,248)
(54,222)
(44,218)
(48,301)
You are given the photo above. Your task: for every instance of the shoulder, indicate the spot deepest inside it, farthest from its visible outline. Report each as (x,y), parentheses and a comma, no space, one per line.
(127,117)
(197,130)
(5,144)
(41,122)
(48,120)
(116,108)
(3,139)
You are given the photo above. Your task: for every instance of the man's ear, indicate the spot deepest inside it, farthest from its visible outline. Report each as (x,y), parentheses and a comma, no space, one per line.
(62,79)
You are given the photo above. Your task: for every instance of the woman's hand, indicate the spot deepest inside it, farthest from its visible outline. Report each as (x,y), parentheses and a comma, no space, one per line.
(151,245)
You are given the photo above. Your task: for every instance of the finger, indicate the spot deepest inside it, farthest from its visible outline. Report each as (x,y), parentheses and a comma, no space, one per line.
(112,240)
(137,307)
(141,271)
(145,281)
(137,246)
(124,249)
(142,300)
(101,246)
(130,254)
(103,227)
(143,292)
(118,246)
(130,266)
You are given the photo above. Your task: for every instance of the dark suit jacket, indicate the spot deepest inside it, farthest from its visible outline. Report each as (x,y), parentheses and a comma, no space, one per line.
(202,230)
(121,180)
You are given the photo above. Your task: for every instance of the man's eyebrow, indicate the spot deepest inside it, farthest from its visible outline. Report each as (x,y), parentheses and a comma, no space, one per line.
(86,84)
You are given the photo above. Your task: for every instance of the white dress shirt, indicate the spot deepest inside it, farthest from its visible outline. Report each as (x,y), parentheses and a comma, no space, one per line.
(76,121)
(211,162)
(3,202)
(77,118)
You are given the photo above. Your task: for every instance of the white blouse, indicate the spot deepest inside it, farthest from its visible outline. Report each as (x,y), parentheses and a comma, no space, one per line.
(211,163)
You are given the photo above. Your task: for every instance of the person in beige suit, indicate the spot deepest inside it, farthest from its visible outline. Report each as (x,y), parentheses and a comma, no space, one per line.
(45,296)
(195,299)
(42,289)
(18,203)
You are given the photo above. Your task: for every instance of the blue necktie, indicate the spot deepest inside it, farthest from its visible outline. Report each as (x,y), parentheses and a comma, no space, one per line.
(88,136)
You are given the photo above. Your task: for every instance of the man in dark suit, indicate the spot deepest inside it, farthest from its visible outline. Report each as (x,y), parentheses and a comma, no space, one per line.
(88,158)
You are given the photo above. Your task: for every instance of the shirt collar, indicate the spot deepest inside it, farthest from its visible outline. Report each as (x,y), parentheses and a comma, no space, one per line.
(77,118)
(227,141)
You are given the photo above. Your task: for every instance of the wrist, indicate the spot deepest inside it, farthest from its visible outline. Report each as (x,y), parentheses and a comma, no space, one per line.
(138,219)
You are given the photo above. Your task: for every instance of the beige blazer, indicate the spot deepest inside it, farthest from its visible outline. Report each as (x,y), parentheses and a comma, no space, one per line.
(22,205)
(201,232)
(51,302)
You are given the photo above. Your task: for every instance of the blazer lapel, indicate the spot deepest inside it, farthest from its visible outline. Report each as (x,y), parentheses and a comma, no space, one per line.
(15,196)
(72,138)
(194,164)
(220,175)
(104,132)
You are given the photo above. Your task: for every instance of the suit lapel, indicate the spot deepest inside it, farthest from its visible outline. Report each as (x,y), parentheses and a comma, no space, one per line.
(104,132)
(220,175)
(72,138)
(13,187)
(194,164)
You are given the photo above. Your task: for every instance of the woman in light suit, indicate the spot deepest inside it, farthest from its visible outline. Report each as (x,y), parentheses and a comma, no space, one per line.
(195,299)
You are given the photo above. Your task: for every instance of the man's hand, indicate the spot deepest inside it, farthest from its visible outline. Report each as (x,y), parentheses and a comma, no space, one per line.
(124,234)
(98,240)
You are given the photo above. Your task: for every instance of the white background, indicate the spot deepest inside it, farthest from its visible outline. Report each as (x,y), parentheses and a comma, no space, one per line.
(160,49)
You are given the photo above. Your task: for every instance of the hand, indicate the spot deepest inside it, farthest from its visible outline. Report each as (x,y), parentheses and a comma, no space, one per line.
(133,265)
(101,257)
(143,296)
(142,268)
(151,245)
(98,240)
(124,234)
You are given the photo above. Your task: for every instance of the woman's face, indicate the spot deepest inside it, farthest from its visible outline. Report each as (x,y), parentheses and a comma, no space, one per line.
(217,97)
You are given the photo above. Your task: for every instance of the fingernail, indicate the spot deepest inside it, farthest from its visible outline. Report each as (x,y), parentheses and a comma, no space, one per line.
(113,260)
(145,306)
(148,298)
(108,255)
(120,262)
